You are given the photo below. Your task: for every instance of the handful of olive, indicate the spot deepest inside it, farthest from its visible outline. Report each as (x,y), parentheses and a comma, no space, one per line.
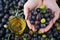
(41,17)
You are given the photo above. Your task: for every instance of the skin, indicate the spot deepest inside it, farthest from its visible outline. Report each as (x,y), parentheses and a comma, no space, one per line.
(31,4)
(55,9)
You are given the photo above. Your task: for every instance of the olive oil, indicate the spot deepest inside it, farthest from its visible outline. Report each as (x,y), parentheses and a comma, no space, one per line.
(17,25)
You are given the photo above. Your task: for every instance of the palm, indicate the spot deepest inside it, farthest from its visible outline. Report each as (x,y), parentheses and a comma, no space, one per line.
(31,4)
(55,9)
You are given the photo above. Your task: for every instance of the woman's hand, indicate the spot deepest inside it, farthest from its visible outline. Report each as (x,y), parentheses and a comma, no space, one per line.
(31,4)
(55,9)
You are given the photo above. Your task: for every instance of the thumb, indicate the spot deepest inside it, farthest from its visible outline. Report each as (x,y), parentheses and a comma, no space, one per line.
(26,11)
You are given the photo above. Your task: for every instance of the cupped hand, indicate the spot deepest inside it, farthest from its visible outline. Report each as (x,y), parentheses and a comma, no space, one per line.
(55,9)
(29,5)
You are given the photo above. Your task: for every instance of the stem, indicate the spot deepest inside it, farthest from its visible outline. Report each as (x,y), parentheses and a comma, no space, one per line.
(9,36)
(16,13)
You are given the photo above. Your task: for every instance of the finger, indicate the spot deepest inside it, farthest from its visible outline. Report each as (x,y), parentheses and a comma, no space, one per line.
(33,28)
(49,26)
(56,16)
(33,3)
(42,30)
(26,10)
(29,24)
(52,5)
(39,4)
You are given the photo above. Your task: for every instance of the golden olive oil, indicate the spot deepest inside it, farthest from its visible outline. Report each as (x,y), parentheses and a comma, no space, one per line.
(17,25)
